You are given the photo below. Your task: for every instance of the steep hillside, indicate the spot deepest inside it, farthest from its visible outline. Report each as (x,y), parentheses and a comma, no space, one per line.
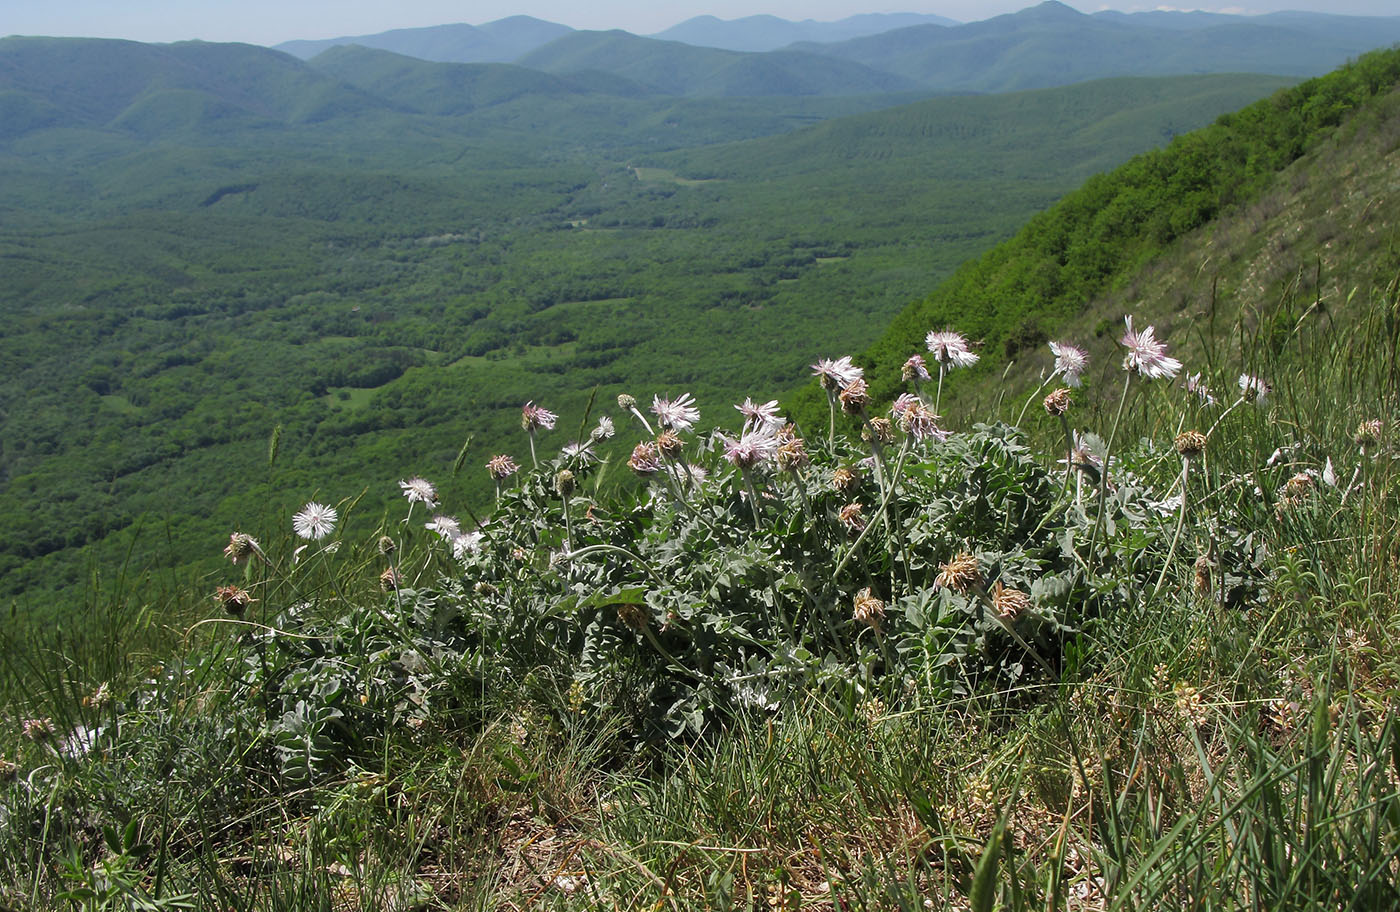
(1089,245)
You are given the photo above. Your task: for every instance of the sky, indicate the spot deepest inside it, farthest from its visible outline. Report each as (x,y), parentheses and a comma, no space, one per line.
(272,21)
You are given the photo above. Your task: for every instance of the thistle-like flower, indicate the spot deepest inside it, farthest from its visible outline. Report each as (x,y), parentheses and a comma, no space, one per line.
(792,450)
(919,422)
(564,483)
(914,369)
(880,430)
(845,480)
(466,543)
(315,521)
(962,574)
(534,417)
(420,490)
(1146,355)
(1009,604)
(501,467)
(867,609)
(1198,387)
(445,526)
(626,402)
(645,459)
(838,374)
(854,397)
(580,452)
(389,580)
(669,444)
(240,547)
(1252,389)
(1368,433)
(679,414)
(852,516)
(950,348)
(758,415)
(604,430)
(751,448)
(1190,444)
(1058,402)
(1070,361)
(233,599)
(37,729)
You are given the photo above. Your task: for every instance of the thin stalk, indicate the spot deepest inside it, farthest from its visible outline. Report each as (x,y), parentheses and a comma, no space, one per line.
(1021,417)
(1107,458)
(1180,522)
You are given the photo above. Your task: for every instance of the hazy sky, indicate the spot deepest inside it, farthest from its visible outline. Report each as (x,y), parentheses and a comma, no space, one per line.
(271,21)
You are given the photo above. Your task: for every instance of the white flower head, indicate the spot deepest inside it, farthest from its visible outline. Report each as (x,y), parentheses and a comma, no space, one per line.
(445,526)
(315,521)
(752,447)
(1146,355)
(1252,389)
(420,490)
(604,430)
(761,415)
(679,414)
(838,374)
(466,543)
(951,348)
(1070,361)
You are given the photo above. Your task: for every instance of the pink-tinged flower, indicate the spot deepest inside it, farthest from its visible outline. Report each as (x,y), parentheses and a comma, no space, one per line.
(241,546)
(533,417)
(645,459)
(914,369)
(1070,361)
(420,490)
(1195,385)
(501,467)
(950,348)
(1252,389)
(838,374)
(445,526)
(679,414)
(315,521)
(752,447)
(1146,355)
(761,415)
(918,421)
(902,402)
(466,543)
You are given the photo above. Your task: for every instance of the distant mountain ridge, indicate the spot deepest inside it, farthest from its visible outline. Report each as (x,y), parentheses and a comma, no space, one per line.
(769,33)
(501,41)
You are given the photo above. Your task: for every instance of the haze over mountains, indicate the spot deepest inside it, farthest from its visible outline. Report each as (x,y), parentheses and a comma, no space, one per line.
(1045,45)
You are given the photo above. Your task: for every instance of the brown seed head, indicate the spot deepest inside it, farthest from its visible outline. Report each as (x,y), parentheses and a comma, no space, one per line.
(1190,444)
(961,574)
(669,443)
(1368,433)
(240,547)
(845,480)
(634,616)
(37,729)
(564,483)
(1203,571)
(855,397)
(1057,403)
(1010,603)
(233,599)
(792,451)
(868,609)
(389,580)
(880,430)
(852,516)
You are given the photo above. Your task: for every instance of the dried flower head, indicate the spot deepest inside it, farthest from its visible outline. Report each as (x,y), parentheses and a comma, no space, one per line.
(233,599)
(634,616)
(389,580)
(1189,704)
(420,490)
(99,697)
(837,375)
(1009,604)
(792,450)
(501,467)
(1299,486)
(854,397)
(625,402)
(868,609)
(240,547)
(1204,566)
(1146,355)
(914,369)
(387,545)
(1368,433)
(1190,444)
(852,516)
(37,729)
(669,444)
(1252,389)
(564,483)
(950,348)
(7,770)
(534,417)
(845,479)
(880,430)
(1057,403)
(315,521)
(1070,361)
(679,414)
(962,574)
(645,459)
